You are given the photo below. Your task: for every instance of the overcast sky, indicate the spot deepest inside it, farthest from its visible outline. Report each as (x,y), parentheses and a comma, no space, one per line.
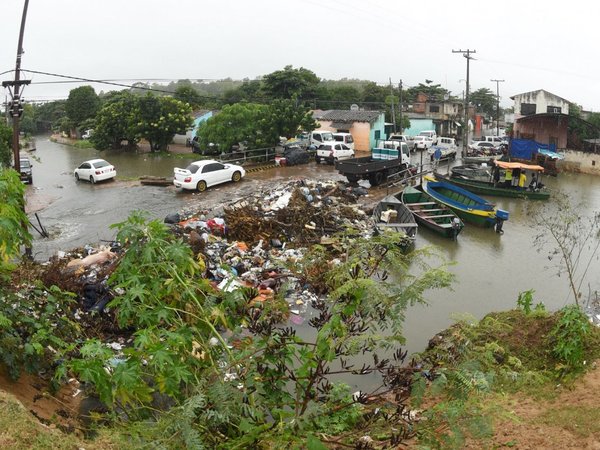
(547,45)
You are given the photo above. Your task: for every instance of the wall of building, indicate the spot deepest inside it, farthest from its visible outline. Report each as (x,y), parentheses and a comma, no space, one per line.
(542,129)
(418,125)
(542,100)
(360,131)
(576,161)
(376,131)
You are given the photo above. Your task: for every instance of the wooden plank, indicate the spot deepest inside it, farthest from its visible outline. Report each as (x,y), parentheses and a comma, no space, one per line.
(438,216)
(397,225)
(425,210)
(422,203)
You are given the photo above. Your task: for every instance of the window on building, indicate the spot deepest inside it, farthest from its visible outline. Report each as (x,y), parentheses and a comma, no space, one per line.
(528,108)
(377,134)
(434,108)
(554,109)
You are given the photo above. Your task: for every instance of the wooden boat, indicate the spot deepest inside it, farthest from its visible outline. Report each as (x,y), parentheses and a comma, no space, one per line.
(391,213)
(469,207)
(473,172)
(480,159)
(156,181)
(499,189)
(432,214)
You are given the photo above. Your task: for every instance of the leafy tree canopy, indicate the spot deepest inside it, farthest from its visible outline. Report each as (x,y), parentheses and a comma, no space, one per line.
(158,119)
(485,101)
(242,122)
(291,82)
(5,145)
(83,103)
(115,122)
(189,95)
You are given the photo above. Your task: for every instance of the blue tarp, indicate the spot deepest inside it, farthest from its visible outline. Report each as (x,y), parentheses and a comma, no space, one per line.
(527,148)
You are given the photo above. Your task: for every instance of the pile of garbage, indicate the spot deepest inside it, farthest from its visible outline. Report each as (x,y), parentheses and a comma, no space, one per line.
(260,237)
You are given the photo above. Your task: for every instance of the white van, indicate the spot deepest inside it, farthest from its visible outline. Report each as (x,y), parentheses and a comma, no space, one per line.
(431,134)
(319,137)
(344,138)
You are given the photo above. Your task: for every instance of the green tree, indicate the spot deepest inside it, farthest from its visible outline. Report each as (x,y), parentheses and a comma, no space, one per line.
(485,100)
(12,217)
(83,103)
(27,122)
(249,91)
(158,119)
(290,82)
(5,145)
(242,122)
(48,114)
(435,92)
(189,95)
(286,118)
(115,122)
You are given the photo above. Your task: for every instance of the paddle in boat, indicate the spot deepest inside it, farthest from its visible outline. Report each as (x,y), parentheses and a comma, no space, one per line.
(431,214)
(469,207)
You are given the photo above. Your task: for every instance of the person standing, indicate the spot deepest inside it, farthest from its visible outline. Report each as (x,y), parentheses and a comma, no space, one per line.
(522,180)
(508,175)
(437,155)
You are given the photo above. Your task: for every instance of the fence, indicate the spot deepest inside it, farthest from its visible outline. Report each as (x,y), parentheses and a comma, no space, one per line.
(255,155)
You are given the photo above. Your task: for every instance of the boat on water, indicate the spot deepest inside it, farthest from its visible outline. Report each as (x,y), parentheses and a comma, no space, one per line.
(468,206)
(499,188)
(391,213)
(478,159)
(430,213)
(481,172)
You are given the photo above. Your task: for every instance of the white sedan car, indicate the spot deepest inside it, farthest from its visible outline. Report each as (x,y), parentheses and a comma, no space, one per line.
(95,170)
(200,175)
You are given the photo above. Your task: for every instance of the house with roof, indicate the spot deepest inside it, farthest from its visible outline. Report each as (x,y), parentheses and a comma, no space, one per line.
(366,127)
(542,117)
(199,116)
(443,116)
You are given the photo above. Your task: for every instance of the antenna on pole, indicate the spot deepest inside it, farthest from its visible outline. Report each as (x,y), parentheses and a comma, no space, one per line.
(466,54)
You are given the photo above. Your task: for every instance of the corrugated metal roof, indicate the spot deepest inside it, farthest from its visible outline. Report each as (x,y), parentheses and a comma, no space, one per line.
(347,116)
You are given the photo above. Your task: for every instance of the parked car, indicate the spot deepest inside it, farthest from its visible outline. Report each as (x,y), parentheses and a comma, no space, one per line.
(26,174)
(482,146)
(319,137)
(95,170)
(447,145)
(332,152)
(200,175)
(87,134)
(431,134)
(422,143)
(344,138)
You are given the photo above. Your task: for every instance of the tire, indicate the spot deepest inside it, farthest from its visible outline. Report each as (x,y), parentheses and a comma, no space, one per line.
(376,179)
(76,177)
(92,180)
(318,159)
(30,180)
(237,176)
(201,186)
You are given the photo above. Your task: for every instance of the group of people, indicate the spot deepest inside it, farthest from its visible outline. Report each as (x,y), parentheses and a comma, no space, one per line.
(517,178)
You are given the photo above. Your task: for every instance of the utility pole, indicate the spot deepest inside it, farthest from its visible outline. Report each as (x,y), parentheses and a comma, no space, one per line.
(497,105)
(393,112)
(400,105)
(15,105)
(466,54)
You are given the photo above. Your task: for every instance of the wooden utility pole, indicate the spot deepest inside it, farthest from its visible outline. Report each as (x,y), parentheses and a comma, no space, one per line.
(400,105)
(393,111)
(15,105)
(497,105)
(466,54)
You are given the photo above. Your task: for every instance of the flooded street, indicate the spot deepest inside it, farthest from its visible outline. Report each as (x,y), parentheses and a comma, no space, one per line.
(491,269)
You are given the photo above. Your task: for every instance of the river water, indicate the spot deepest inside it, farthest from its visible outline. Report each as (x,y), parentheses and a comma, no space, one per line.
(491,269)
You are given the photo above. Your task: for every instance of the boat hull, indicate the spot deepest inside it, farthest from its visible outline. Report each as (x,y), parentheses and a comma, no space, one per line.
(431,214)
(465,204)
(486,188)
(402,221)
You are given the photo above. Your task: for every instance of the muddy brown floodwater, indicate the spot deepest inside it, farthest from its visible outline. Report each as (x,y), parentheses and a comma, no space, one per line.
(491,269)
